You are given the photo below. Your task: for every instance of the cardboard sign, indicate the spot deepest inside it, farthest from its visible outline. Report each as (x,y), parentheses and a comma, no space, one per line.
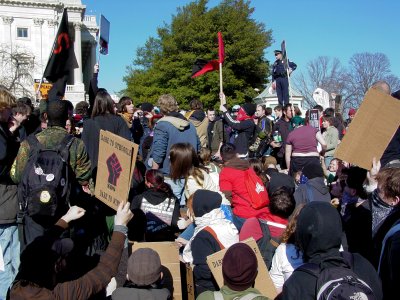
(371,130)
(117,159)
(169,256)
(263,281)
(190,282)
(44,88)
(314,118)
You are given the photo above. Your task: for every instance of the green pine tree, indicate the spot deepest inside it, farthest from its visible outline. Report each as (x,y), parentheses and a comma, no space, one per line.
(164,64)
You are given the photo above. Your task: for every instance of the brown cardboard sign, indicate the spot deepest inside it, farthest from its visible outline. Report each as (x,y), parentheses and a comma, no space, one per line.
(169,256)
(117,159)
(371,130)
(190,282)
(263,281)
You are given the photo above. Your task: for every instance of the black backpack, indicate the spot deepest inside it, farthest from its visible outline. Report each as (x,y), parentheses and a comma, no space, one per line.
(338,282)
(43,191)
(267,244)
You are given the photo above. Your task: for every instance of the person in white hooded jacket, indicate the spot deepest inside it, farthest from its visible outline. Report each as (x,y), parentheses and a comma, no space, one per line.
(213,233)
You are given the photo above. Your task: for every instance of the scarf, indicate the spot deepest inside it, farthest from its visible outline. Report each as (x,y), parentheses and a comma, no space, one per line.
(226,232)
(380,210)
(127,117)
(242,115)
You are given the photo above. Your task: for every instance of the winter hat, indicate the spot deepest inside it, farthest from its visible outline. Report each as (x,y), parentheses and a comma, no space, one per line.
(144,267)
(205,201)
(239,267)
(249,108)
(235,108)
(251,229)
(352,111)
(313,170)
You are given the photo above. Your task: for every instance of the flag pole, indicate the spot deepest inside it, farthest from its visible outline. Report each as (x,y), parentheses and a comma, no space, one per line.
(98,43)
(221,90)
(51,52)
(287,73)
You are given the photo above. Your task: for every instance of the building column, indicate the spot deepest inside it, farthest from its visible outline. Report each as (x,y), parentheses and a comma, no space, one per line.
(93,55)
(37,36)
(8,21)
(78,54)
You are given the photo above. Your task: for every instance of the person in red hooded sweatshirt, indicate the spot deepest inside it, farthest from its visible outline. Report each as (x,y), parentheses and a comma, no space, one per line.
(243,125)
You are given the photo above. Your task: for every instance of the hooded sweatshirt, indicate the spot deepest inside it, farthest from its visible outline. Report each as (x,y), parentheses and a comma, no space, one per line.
(168,131)
(232,184)
(315,189)
(162,214)
(199,120)
(319,235)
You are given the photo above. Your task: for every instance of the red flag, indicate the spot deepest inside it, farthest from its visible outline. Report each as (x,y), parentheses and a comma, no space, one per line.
(202,66)
(221,50)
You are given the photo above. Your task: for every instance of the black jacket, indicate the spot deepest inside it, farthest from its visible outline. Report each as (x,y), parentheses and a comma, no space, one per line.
(283,128)
(245,129)
(390,261)
(91,130)
(8,190)
(203,245)
(151,202)
(319,235)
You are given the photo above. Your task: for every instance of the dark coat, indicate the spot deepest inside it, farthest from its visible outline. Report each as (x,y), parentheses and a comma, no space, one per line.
(91,131)
(318,189)
(246,131)
(319,235)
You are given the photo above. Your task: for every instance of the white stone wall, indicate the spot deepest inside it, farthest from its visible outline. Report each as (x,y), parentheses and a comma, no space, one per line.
(42,17)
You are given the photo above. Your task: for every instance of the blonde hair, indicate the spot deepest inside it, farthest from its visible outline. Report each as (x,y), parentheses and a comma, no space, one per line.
(167,104)
(7,100)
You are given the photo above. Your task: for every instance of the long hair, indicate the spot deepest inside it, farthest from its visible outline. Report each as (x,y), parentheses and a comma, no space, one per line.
(257,166)
(156,179)
(123,102)
(185,163)
(7,100)
(288,235)
(103,104)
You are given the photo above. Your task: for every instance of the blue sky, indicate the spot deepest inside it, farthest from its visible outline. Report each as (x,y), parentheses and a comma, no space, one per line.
(311,28)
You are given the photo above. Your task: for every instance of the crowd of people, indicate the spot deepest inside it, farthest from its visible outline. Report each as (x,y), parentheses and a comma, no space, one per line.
(204,180)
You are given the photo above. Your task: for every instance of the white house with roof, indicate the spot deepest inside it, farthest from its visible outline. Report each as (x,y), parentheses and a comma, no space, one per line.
(269,98)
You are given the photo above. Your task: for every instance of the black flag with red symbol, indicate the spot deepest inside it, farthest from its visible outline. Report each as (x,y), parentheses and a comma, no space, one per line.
(62,60)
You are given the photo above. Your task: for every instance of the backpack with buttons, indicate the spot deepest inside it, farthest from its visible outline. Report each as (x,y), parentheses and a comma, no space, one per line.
(45,185)
(339,282)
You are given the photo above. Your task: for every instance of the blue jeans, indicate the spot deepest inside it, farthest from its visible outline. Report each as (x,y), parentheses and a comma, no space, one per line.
(178,187)
(9,243)
(188,233)
(238,222)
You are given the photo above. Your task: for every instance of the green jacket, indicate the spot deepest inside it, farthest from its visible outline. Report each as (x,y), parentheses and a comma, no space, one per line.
(229,294)
(331,137)
(49,138)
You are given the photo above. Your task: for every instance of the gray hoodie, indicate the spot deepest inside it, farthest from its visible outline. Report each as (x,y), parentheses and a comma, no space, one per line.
(314,190)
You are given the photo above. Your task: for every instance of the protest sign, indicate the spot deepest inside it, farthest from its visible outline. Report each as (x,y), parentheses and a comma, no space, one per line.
(263,281)
(190,282)
(169,256)
(117,158)
(314,118)
(371,130)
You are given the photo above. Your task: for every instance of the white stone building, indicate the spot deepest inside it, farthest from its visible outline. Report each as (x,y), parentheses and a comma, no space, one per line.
(28,27)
